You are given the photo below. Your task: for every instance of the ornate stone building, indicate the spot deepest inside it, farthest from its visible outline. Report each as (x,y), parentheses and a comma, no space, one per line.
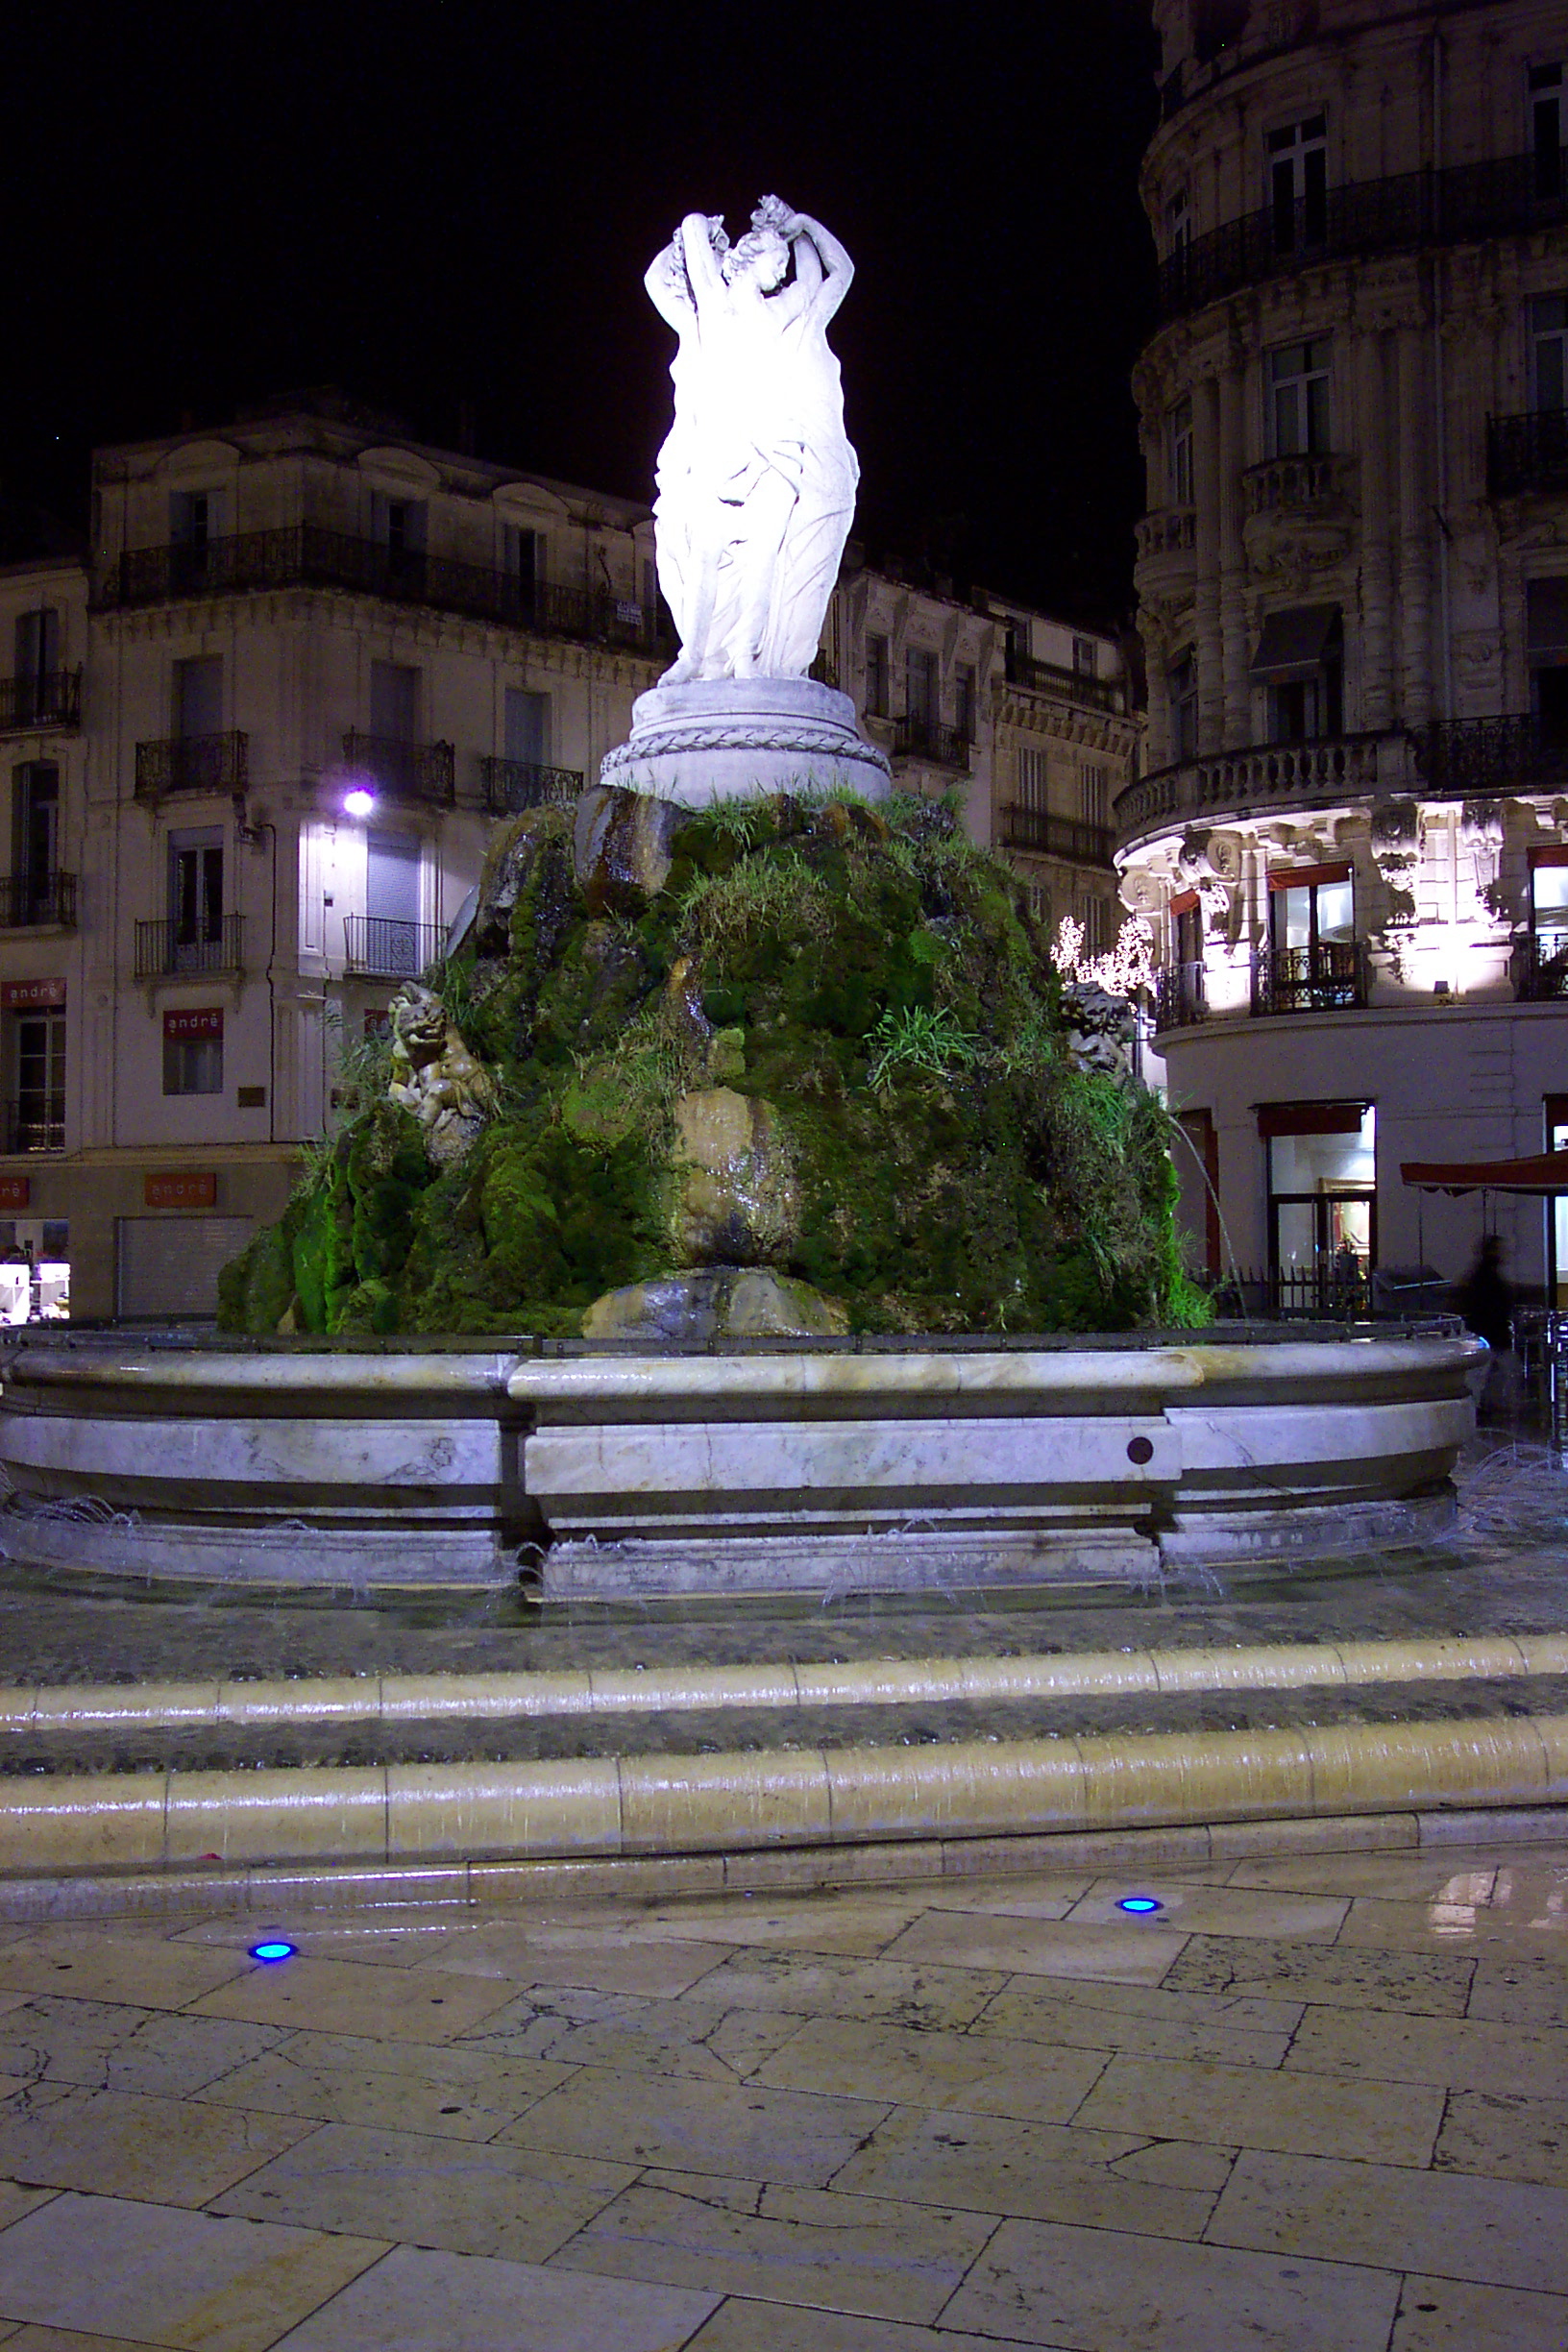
(258,738)
(1352,831)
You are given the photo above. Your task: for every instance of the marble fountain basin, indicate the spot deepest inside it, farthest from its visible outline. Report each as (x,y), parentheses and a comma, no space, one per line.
(811,1468)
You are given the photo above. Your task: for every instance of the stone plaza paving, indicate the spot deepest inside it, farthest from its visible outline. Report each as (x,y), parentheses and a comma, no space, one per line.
(1318,2101)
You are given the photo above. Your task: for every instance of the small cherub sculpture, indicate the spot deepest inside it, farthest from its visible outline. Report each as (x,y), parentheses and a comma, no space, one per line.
(435,1078)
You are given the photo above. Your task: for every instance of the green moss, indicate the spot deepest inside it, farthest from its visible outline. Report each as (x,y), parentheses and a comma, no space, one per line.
(980,1183)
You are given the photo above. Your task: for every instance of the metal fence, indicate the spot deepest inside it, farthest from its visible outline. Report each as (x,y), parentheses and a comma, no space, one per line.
(388,948)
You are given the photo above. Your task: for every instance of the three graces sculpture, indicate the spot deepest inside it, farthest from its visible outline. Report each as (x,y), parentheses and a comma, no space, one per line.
(756,481)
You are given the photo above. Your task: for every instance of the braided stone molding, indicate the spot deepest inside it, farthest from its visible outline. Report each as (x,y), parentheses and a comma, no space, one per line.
(811,743)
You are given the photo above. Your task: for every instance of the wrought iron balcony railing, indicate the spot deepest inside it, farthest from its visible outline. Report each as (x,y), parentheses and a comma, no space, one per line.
(1266,775)
(403,771)
(35,1123)
(1527,452)
(307,554)
(928,739)
(40,699)
(165,947)
(1540,968)
(32,901)
(388,948)
(1329,978)
(1060,837)
(192,764)
(511,786)
(1052,678)
(1180,997)
(1464,757)
(1462,204)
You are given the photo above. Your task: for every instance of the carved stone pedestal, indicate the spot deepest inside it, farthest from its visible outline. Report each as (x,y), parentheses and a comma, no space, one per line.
(725,739)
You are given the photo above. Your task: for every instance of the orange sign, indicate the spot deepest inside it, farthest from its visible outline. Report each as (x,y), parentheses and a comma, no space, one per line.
(18,996)
(16,1191)
(181,1191)
(194,1022)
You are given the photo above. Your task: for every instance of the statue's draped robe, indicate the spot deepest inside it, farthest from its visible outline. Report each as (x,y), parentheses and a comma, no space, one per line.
(751,406)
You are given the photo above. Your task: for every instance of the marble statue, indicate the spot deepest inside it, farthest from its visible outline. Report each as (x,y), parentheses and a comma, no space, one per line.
(756,481)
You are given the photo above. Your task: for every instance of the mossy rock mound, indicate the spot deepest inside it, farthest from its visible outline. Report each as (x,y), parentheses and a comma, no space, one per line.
(857,997)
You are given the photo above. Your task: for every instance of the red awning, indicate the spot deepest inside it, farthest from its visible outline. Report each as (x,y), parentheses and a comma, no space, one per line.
(1543,1175)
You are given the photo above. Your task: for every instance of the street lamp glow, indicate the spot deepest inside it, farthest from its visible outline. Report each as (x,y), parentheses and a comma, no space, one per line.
(358,803)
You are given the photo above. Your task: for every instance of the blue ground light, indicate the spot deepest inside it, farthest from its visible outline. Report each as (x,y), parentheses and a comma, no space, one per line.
(276,1950)
(1139,1904)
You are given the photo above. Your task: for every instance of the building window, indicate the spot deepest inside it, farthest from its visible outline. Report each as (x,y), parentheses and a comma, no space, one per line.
(1084,657)
(37,1082)
(1546,128)
(394,701)
(1556,1208)
(1178,218)
(877,669)
(1034,782)
(1298,398)
(1546,645)
(920,689)
(38,662)
(527,728)
(1298,184)
(1094,796)
(193,522)
(523,555)
(1311,914)
(1182,688)
(35,828)
(1094,914)
(1548,909)
(965,700)
(397,524)
(198,697)
(1300,659)
(392,902)
(193,1050)
(1322,1197)
(1179,453)
(195,899)
(1548,351)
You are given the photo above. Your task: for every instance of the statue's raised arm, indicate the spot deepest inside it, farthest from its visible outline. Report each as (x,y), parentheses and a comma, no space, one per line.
(823,269)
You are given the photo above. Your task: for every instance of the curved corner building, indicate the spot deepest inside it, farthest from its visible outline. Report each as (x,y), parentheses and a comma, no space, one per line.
(1352,831)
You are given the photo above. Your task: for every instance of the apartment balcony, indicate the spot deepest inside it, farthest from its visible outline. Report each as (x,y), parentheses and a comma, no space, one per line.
(1464,204)
(46,698)
(1043,677)
(1527,453)
(1180,997)
(399,770)
(193,763)
(1296,485)
(35,1124)
(385,947)
(166,950)
(511,786)
(1172,531)
(1264,778)
(308,556)
(1329,978)
(1473,758)
(38,903)
(1046,835)
(929,739)
(1540,969)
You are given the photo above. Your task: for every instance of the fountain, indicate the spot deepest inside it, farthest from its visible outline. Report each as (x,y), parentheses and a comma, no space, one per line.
(745,1204)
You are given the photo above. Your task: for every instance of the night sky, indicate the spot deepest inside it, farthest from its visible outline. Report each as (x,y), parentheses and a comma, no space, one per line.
(455,204)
